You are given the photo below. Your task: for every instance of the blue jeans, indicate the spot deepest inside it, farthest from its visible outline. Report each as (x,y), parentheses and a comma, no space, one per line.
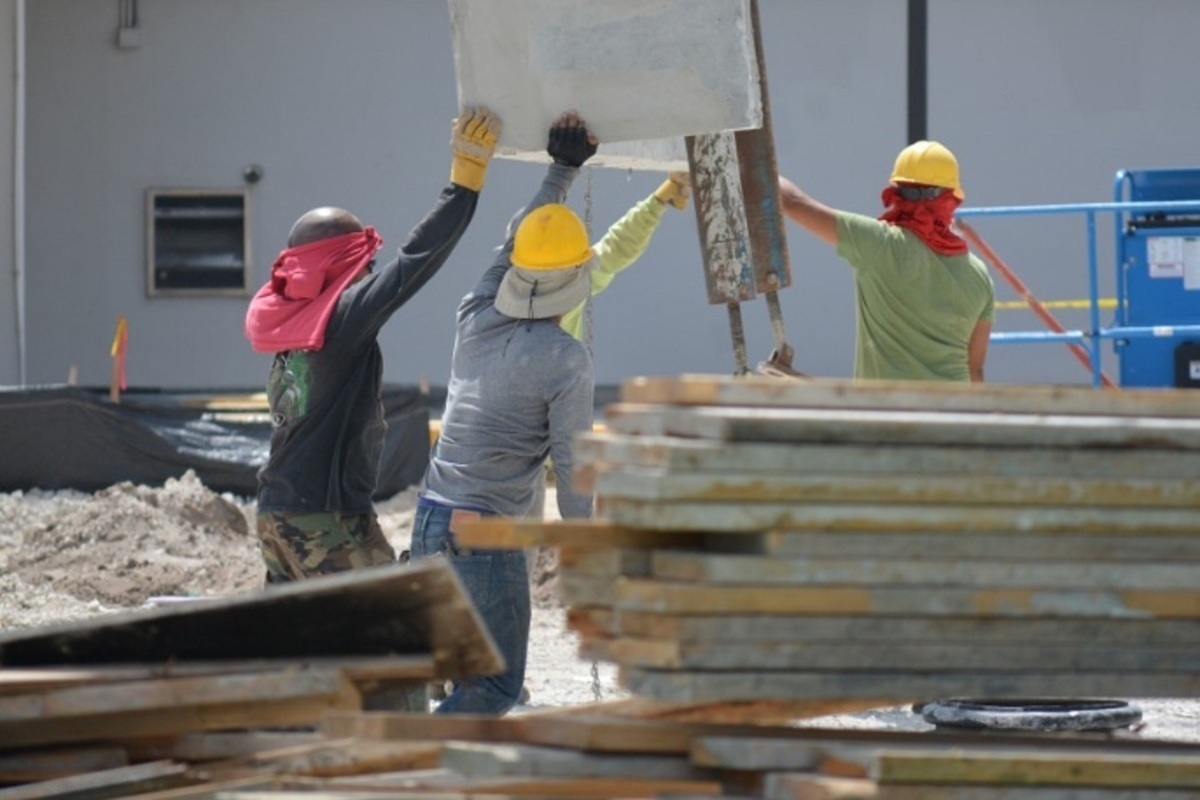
(497,582)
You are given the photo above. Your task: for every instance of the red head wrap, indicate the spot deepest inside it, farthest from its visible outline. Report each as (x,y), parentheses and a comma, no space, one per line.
(292,310)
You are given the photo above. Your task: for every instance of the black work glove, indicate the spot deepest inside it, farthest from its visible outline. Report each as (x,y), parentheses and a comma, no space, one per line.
(570,145)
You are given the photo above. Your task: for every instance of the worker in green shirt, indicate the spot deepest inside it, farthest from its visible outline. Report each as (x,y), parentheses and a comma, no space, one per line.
(924,304)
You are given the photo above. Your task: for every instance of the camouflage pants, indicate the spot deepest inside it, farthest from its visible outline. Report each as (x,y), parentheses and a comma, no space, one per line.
(304,544)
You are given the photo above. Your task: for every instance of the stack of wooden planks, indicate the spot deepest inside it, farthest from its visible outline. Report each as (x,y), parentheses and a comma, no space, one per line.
(805,540)
(115,705)
(627,749)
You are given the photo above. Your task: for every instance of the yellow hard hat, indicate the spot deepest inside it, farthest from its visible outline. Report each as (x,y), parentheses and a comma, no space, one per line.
(550,237)
(928,163)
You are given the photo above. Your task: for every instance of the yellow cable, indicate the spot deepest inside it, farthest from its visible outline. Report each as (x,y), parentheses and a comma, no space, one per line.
(1103,303)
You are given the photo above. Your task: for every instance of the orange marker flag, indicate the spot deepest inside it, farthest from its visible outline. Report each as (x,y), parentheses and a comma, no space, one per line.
(120,344)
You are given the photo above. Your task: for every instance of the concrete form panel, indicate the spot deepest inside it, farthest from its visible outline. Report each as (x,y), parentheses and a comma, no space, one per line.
(636,70)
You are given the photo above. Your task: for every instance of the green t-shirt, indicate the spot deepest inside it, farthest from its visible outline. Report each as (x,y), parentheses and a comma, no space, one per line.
(916,309)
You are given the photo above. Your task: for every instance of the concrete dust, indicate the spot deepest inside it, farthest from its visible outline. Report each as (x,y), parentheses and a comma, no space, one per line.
(70,555)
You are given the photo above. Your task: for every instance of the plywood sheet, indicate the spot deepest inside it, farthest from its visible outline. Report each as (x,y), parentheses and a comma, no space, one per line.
(639,71)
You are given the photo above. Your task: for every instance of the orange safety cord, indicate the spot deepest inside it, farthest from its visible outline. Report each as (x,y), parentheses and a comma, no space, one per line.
(1081,354)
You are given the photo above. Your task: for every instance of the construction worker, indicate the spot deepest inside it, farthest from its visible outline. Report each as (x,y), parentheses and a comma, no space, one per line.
(925,305)
(520,390)
(319,315)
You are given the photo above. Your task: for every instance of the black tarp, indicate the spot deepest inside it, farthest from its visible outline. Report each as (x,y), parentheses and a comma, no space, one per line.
(73,438)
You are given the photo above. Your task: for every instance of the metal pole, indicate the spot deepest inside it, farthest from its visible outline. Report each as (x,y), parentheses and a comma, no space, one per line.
(738,334)
(1095,344)
(721,219)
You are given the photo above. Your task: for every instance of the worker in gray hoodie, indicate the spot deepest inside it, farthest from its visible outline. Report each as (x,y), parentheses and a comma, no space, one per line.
(520,390)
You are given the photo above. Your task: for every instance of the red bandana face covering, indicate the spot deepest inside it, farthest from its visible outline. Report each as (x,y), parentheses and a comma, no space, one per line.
(292,310)
(928,219)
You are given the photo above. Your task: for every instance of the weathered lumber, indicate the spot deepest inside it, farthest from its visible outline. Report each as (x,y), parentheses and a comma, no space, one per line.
(119,782)
(1035,656)
(397,726)
(757,517)
(1026,768)
(412,609)
(890,688)
(31,766)
(971,545)
(802,786)
(515,534)
(850,426)
(200,746)
(331,758)
(734,629)
(905,395)
(772,570)
(901,489)
(175,705)
(679,455)
(477,760)
(638,594)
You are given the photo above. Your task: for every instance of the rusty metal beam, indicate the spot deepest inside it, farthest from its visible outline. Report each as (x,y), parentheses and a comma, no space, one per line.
(760,187)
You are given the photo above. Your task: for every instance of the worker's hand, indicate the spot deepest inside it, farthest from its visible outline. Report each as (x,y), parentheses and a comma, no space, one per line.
(569,142)
(473,137)
(675,190)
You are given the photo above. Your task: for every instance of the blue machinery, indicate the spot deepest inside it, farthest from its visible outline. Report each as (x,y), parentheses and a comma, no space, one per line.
(1156,327)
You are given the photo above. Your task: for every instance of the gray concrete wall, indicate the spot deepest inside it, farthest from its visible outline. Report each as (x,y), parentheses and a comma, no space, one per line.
(349,104)
(1043,102)
(9,340)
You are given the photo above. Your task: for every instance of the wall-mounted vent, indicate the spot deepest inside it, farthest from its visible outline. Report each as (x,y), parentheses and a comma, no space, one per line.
(197,242)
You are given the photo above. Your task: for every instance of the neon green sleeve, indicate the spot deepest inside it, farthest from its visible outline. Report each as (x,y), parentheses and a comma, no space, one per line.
(623,244)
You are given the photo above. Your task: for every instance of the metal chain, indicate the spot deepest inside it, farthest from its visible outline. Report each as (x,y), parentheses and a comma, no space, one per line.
(596,693)
(589,341)
(588,330)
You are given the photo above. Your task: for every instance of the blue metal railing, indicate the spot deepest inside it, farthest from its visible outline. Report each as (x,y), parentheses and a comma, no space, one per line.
(1093,338)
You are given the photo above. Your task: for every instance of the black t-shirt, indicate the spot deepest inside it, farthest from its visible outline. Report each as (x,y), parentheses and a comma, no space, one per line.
(325,404)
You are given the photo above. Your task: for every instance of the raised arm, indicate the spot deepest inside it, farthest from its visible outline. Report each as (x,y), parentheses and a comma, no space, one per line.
(569,144)
(429,244)
(817,218)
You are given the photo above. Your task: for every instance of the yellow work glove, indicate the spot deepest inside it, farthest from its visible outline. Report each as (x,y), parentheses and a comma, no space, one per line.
(473,137)
(675,190)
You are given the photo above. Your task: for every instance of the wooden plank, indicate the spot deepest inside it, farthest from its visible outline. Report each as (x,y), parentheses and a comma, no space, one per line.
(32,766)
(758,517)
(932,792)
(892,688)
(403,609)
(478,760)
(740,424)
(753,753)
(1143,771)
(905,395)
(734,629)
(211,790)
(201,746)
(637,594)
(119,782)
(359,669)
(393,726)
(649,484)
(969,545)
(155,708)
(503,788)
(335,758)
(1036,656)
(676,454)
(802,786)
(727,568)
(517,534)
